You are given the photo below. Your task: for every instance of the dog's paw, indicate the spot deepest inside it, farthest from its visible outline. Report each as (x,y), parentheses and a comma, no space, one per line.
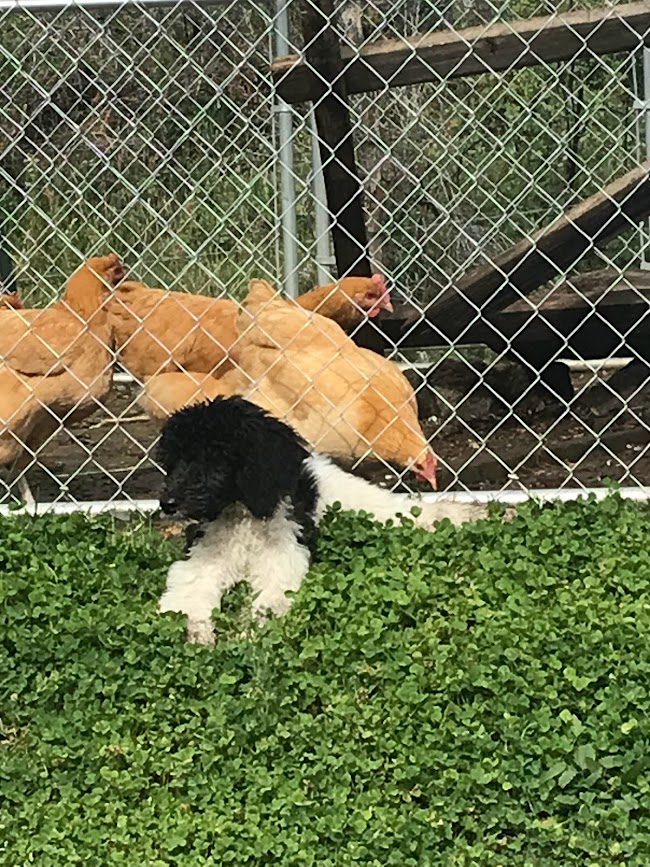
(428,514)
(200,632)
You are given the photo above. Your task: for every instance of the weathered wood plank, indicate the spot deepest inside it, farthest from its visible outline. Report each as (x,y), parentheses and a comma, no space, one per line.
(583,332)
(604,287)
(494,48)
(590,314)
(343,187)
(544,333)
(554,249)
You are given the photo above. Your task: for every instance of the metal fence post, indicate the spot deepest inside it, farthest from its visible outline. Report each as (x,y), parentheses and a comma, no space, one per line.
(285,162)
(645,256)
(325,261)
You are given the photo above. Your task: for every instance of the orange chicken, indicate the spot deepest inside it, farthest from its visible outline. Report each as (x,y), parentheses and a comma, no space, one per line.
(159,331)
(166,393)
(303,368)
(55,363)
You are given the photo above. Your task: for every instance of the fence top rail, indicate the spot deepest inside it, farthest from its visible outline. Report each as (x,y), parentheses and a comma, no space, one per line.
(59,5)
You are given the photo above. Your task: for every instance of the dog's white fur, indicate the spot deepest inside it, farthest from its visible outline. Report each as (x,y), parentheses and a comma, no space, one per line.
(358,495)
(238,547)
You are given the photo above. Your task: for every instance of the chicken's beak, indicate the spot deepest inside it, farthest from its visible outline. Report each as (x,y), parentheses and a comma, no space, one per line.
(384,303)
(425,470)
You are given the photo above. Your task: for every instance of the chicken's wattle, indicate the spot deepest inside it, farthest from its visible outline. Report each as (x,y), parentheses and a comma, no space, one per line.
(11,299)
(425,470)
(383,302)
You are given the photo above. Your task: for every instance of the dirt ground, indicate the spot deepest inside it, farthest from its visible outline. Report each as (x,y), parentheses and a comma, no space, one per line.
(110,455)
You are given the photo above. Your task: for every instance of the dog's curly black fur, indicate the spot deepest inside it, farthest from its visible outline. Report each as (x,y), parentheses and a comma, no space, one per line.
(240,454)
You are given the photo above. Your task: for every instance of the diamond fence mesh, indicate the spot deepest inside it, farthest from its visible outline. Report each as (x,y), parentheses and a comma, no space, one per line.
(156,131)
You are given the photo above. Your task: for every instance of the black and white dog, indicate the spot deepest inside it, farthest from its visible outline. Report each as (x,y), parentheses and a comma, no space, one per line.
(259,494)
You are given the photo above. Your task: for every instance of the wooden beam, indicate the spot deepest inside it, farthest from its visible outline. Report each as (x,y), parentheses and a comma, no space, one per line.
(7,278)
(591,313)
(342,184)
(602,288)
(447,54)
(546,332)
(554,249)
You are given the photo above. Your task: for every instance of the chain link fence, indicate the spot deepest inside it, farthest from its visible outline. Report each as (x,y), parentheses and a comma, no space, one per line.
(156,130)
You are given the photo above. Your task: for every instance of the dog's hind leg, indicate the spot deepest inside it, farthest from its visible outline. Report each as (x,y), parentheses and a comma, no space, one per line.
(284,574)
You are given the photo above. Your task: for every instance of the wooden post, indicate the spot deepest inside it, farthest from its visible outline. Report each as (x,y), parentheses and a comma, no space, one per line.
(7,279)
(342,184)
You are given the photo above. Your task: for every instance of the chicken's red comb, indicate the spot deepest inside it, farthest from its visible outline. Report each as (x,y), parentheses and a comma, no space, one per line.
(380,282)
(13,299)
